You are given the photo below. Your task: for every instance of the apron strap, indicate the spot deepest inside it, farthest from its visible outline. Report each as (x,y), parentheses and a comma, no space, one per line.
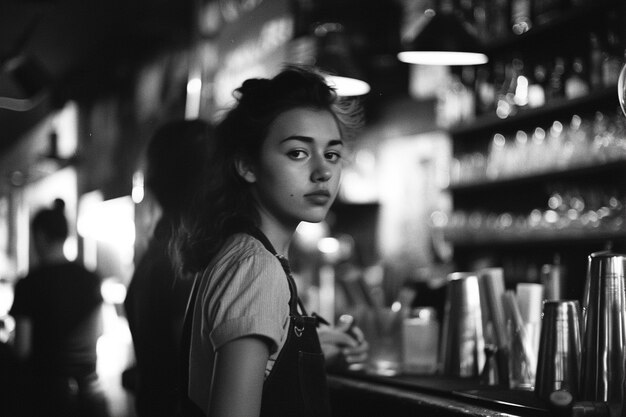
(260,236)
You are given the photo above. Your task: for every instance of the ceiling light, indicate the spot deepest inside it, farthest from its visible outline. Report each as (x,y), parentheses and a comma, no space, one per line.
(444,40)
(333,54)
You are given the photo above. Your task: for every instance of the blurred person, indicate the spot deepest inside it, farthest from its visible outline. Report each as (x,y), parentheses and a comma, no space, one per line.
(156,301)
(252,348)
(58,320)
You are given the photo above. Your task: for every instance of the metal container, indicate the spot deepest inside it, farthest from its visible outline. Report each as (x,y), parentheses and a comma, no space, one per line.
(558,365)
(604,330)
(463,346)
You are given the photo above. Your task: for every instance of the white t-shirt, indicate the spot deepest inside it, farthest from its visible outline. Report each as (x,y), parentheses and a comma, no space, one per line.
(243,292)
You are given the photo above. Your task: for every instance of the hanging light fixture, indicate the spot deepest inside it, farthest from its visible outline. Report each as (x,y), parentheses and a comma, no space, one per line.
(329,50)
(443,40)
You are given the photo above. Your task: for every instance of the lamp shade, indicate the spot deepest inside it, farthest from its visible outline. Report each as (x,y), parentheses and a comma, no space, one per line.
(444,40)
(334,55)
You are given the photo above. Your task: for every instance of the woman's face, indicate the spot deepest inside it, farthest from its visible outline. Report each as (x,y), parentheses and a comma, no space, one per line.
(299,169)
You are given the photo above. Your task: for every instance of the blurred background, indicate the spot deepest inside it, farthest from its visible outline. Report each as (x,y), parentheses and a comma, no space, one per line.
(517,163)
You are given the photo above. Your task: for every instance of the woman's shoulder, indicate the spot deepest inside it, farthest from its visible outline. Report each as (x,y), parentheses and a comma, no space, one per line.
(241,246)
(242,256)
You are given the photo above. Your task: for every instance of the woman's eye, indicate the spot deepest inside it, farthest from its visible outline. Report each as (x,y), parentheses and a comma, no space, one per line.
(333,156)
(296,154)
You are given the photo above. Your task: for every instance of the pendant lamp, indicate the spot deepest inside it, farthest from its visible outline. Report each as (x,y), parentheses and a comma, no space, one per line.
(443,40)
(333,54)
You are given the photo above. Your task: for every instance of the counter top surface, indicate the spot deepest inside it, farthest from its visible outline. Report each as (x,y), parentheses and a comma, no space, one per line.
(454,396)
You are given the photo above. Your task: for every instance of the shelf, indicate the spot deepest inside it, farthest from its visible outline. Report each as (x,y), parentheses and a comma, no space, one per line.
(572,235)
(539,177)
(551,109)
(579,15)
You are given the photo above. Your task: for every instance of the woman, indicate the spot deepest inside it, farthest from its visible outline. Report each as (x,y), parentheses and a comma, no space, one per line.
(277,161)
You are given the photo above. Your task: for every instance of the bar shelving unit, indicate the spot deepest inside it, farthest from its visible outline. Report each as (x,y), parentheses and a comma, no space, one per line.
(520,193)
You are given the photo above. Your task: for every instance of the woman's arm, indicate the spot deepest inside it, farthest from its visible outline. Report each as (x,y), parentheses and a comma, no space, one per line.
(238,375)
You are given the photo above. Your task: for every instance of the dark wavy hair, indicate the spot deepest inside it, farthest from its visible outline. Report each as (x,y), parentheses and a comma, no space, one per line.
(51,222)
(225,204)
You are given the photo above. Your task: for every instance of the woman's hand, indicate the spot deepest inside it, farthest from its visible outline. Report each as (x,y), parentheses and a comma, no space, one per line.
(343,345)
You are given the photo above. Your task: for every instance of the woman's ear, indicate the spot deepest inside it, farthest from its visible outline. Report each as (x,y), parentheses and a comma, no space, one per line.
(244,169)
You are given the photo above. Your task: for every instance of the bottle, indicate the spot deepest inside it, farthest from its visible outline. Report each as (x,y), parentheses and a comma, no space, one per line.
(576,84)
(611,59)
(481,19)
(520,16)
(505,96)
(595,61)
(556,84)
(614,49)
(578,138)
(521,83)
(468,80)
(499,17)
(536,86)
(485,91)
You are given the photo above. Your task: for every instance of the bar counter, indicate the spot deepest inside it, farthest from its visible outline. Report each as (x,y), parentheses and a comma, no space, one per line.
(361,394)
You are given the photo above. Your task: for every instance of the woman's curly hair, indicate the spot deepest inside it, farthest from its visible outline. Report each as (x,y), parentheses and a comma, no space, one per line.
(225,205)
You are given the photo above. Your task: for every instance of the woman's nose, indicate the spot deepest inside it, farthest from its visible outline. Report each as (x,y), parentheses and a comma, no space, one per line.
(321,171)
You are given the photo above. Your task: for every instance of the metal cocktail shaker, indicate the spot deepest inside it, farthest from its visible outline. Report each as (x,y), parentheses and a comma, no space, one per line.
(604,331)
(558,366)
(463,346)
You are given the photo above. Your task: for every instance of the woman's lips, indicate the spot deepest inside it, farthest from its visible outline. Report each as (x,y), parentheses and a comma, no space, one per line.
(318,197)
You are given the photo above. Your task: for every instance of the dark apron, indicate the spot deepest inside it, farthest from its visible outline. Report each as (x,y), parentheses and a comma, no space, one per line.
(296,385)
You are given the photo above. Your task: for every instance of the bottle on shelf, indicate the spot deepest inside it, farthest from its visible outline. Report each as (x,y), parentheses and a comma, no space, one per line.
(538,151)
(520,16)
(611,59)
(496,157)
(556,83)
(595,61)
(499,17)
(484,90)
(521,83)
(614,50)
(536,86)
(577,148)
(576,82)
(555,140)
(505,96)
(468,80)
(480,11)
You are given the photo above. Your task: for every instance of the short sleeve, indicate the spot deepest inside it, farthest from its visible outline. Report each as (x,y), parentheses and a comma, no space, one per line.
(251,300)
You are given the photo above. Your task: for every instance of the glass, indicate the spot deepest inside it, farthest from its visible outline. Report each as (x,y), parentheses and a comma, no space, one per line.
(382,327)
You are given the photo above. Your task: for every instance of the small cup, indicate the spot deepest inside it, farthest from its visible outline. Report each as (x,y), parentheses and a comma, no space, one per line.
(558,365)
(382,328)
(420,341)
